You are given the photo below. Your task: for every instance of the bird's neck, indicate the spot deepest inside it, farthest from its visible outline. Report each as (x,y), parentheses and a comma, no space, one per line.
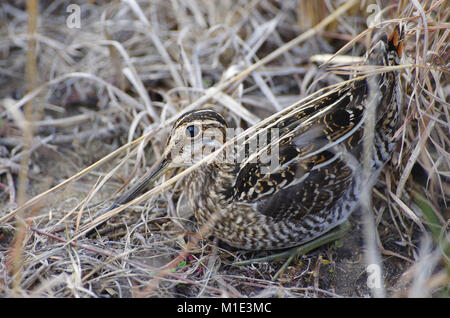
(211,181)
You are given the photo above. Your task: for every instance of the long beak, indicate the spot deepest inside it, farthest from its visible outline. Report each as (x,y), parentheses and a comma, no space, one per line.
(134,192)
(162,167)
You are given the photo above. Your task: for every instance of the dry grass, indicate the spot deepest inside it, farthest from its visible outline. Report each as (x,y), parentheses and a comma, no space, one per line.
(84,111)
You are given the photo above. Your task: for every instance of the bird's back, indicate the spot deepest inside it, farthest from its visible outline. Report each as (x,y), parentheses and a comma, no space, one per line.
(317,178)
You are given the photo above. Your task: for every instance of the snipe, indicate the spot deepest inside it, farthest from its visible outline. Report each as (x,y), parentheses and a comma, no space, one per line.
(315,183)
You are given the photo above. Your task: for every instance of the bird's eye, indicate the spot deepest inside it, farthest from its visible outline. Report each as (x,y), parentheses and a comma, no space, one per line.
(192,131)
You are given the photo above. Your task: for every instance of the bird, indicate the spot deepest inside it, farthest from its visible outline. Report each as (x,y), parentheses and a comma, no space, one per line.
(313,180)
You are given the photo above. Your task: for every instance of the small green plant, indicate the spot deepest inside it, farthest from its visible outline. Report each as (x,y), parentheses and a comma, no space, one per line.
(337,244)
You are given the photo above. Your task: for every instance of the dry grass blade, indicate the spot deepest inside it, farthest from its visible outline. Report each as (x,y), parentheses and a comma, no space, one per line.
(74,98)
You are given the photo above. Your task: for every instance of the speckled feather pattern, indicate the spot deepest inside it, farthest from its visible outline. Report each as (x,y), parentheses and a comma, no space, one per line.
(315,187)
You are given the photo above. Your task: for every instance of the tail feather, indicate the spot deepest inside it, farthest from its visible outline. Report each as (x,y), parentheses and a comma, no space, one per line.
(395,40)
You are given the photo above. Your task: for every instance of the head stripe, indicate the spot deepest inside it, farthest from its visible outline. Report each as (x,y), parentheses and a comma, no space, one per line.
(199,115)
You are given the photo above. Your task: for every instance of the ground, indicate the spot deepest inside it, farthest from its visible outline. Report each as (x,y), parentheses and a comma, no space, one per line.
(128,70)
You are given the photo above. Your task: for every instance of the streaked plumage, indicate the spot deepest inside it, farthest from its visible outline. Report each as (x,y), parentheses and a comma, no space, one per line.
(316,183)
